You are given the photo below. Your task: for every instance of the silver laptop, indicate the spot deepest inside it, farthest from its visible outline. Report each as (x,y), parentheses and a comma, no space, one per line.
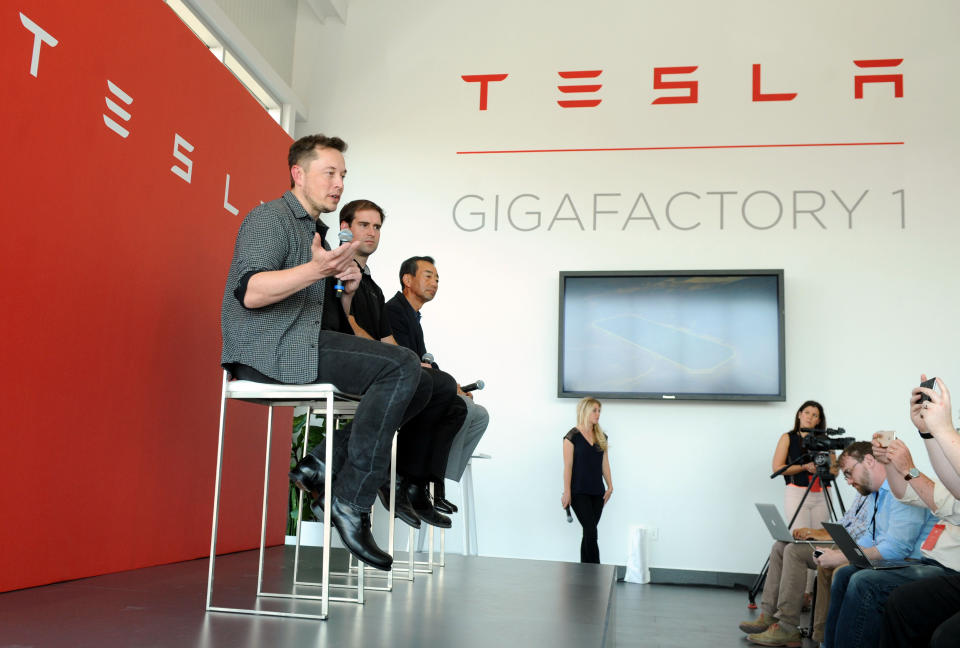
(778,528)
(855,554)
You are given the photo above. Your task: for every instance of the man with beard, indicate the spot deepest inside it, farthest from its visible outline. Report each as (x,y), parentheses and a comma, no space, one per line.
(897,533)
(782,600)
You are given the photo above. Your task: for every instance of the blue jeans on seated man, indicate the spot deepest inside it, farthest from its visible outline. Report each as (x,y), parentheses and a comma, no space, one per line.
(857,597)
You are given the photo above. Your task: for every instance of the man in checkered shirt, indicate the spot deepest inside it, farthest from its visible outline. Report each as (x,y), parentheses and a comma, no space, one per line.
(283,322)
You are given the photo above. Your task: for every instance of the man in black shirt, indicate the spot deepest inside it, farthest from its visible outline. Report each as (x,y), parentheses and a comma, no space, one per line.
(423,442)
(419,281)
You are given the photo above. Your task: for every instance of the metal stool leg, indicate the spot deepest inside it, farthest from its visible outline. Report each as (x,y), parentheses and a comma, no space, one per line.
(266,489)
(216,492)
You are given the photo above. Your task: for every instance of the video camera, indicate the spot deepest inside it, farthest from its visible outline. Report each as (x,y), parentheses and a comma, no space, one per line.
(818,445)
(818,440)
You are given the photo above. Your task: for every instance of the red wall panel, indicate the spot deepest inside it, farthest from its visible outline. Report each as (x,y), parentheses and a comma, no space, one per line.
(114,269)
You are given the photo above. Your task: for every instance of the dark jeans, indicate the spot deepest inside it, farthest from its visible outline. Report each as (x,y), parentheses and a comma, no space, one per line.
(424,441)
(588,509)
(388,377)
(857,598)
(926,608)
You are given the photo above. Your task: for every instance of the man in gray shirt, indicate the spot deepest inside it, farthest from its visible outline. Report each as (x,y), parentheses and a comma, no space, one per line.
(283,321)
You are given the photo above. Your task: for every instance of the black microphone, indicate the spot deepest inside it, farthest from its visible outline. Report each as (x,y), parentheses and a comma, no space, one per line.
(828,431)
(569,517)
(427,357)
(474,385)
(345,236)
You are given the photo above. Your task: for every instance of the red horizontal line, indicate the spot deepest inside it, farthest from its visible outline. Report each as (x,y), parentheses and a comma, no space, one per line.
(579,88)
(580,103)
(682,148)
(879,63)
(580,74)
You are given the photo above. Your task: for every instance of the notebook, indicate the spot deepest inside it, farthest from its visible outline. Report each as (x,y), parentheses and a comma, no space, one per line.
(778,528)
(855,554)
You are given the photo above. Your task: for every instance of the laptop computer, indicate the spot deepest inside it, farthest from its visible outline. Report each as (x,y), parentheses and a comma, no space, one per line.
(855,554)
(778,528)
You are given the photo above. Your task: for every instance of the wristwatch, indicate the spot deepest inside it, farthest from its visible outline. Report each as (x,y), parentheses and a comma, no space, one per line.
(924,435)
(912,474)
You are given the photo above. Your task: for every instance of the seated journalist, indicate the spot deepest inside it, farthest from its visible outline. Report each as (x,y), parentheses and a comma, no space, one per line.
(782,600)
(897,532)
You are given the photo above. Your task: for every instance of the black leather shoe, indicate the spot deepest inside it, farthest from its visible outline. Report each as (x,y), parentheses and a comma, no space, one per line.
(440,501)
(420,501)
(402,509)
(308,476)
(354,529)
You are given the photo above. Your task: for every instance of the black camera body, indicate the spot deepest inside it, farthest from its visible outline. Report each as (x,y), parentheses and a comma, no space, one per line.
(816,443)
(819,440)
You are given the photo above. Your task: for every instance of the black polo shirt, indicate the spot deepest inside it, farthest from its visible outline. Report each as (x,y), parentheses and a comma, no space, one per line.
(405,322)
(368,307)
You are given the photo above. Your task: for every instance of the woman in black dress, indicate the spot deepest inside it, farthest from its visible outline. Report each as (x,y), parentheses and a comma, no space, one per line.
(586,466)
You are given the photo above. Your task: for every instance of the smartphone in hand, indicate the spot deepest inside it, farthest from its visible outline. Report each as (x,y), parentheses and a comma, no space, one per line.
(929,385)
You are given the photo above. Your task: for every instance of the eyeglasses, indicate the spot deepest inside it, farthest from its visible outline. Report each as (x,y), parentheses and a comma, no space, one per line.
(848,473)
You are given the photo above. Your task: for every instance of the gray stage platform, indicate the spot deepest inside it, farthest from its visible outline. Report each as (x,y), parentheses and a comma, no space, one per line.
(471,602)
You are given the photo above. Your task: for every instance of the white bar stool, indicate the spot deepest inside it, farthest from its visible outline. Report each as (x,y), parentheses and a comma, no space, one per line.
(322,394)
(469,508)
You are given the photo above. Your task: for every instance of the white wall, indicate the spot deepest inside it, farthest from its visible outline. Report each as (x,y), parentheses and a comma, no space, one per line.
(868,307)
(270,26)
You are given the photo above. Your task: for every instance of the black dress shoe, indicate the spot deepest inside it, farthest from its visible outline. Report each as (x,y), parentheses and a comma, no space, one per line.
(440,501)
(420,501)
(308,476)
(354,529)
(402,509)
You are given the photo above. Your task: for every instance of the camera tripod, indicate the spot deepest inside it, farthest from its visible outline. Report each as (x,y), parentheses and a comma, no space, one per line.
(826,478)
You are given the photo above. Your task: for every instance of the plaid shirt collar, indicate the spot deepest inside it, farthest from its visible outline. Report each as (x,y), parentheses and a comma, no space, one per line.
(298,211)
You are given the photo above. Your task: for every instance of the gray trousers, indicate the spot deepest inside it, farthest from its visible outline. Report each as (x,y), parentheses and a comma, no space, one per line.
(466,439)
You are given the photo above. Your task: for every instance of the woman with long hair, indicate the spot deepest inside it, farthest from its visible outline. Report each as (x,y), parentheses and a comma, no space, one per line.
(586,466)
(790,447)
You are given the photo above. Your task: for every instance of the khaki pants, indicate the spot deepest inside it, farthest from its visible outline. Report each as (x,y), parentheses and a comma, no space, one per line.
(786,581)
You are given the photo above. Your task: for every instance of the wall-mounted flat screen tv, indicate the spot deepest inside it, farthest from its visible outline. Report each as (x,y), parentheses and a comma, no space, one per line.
(672,335)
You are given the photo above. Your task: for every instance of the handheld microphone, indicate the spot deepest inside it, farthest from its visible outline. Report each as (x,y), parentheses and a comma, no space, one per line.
(345,236)
(474,385)
(569,517)
(427,357)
